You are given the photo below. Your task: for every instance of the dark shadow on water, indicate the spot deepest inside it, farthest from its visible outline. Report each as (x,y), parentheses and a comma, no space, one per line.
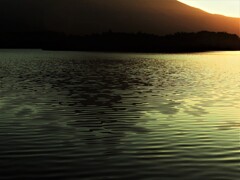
(105,97)
(79,116)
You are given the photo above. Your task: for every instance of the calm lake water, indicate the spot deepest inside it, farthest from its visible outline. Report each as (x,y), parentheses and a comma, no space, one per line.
(78,115)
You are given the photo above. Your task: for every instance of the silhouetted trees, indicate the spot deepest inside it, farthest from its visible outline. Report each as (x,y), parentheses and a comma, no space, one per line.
(123,42)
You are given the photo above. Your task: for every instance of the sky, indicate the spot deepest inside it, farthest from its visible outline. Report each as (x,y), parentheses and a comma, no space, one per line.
(90,16)
(224,7)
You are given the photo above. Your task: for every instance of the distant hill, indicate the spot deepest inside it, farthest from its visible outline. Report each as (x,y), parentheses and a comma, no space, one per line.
(81,17)
(160,17)
(123,42)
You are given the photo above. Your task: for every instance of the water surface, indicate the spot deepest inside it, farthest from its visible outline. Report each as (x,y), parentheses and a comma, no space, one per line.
(77,115)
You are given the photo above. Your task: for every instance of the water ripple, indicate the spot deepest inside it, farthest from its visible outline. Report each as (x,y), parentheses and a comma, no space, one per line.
(76,115)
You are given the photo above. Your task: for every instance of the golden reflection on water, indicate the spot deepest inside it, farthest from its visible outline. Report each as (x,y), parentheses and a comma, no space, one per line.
(214,97)
(130,115)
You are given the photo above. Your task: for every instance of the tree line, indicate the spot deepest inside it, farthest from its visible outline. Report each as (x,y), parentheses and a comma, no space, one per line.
(122,42)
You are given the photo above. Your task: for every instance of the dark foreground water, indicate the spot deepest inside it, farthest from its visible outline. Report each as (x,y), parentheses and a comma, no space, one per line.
(75,115)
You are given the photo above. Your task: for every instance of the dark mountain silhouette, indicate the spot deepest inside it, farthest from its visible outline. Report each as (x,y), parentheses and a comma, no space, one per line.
(123,42)
(81,17)
(160,17)
(21,15)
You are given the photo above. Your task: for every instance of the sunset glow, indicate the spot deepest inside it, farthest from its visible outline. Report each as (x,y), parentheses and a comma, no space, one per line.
(224,7)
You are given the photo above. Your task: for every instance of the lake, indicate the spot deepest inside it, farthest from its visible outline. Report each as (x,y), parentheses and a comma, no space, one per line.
(80,115)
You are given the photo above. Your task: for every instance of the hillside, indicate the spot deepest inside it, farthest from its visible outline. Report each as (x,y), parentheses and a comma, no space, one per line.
(151,16)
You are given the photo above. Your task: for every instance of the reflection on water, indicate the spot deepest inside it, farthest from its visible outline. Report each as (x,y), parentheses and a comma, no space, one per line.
(127,116)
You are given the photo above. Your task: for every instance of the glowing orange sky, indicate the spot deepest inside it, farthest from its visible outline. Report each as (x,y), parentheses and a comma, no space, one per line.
(225,7)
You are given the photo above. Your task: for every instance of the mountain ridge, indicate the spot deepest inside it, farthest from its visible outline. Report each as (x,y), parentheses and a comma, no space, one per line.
(150,16)
(91,16)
